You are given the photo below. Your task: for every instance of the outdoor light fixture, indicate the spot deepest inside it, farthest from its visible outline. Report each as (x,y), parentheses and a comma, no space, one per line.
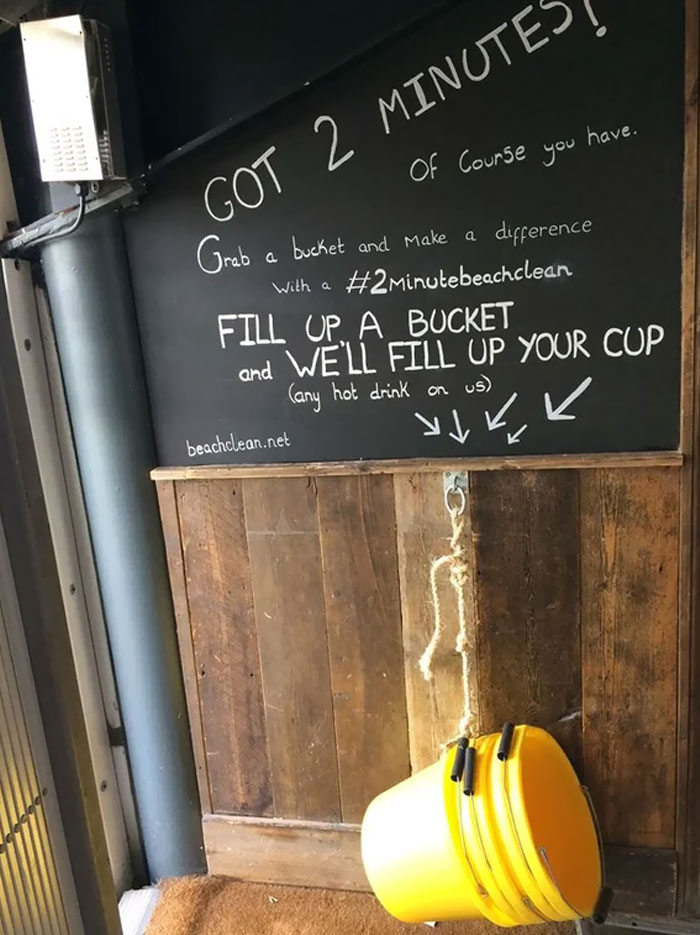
(73,97)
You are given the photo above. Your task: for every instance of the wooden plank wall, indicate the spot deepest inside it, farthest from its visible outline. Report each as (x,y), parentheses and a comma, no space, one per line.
(303,607)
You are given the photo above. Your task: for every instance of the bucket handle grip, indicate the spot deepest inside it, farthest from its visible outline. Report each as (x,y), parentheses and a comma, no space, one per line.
(602,906)
(599,833)
(469,771)
(458,762)
(505,741)
(605,897)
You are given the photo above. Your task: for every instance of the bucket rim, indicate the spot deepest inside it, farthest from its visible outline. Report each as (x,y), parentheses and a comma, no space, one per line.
(484,827)
(512,840)
(537,860)
(478,892)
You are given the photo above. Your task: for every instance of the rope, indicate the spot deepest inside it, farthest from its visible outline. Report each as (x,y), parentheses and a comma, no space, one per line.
(457,561)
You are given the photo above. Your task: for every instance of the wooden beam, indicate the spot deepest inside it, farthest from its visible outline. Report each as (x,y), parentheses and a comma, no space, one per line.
(296,853)
(688,716)
(290,617)
(527,582)
(423,532)
(322,854)
(633,459)
(644,880)
(629,613)
(357,529)
(223,641)
(619,923)
(167,502)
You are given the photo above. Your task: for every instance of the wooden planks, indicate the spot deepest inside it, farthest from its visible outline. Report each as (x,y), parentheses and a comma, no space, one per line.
(170,520)
(283,541)
(225,646)
(688,754)
(527,591)
(262,631)
(328,855)
(295,853)
(629,599)
(358,549)
(632,459)
(644,880)
(423,532)
(319,588)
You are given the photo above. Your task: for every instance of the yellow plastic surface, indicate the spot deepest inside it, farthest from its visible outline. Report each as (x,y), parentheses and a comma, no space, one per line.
(523,849)
(412,851)
(479,827)
(511,838)
(555,823)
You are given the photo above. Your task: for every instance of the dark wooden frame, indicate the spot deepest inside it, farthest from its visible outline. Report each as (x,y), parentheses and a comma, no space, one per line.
(642,459)
(688,746)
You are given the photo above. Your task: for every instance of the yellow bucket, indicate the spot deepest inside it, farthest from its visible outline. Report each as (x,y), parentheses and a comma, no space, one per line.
(519,847)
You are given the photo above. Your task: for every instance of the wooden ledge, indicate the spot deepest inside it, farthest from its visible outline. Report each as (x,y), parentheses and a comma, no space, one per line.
(639,459)
(316,853)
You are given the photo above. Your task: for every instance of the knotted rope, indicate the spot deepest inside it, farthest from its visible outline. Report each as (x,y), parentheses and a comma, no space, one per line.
(460,578)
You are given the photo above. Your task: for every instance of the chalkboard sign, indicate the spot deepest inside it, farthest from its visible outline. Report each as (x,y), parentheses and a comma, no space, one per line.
(466,244)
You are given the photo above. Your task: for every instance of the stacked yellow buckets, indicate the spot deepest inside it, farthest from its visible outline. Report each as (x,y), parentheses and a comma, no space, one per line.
(500,829)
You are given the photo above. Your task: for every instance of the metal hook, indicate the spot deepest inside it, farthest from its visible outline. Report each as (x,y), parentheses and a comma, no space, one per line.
(455,485)
(461,505)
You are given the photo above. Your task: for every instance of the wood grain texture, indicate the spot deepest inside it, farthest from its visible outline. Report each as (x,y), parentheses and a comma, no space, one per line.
(225,645)
(525,528)
(619,923)
(688,748)
(629,587)
(295,853)
(283,540)
(170,521)
(360,577)
(689,281)
(632,459)
(644,880)
(423,533)
(322,854)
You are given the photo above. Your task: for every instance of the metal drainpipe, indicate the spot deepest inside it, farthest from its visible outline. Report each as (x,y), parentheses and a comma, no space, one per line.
(87,277)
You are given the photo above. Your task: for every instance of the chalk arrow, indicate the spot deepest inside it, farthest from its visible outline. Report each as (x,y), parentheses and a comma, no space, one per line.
(433,427)
(458,434)
(558,414)
(514,437)
(498,421)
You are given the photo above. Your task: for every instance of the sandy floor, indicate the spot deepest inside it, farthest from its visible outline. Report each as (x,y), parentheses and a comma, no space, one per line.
(219,906)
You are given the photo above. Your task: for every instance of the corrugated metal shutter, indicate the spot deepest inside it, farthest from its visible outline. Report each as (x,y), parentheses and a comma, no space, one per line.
(37,893)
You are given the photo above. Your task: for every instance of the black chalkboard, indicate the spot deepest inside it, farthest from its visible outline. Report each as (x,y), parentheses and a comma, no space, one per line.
(232,59)
(467,244)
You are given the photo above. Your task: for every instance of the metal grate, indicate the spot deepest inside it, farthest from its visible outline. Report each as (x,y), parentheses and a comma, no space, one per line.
(31,895)
(67,153)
